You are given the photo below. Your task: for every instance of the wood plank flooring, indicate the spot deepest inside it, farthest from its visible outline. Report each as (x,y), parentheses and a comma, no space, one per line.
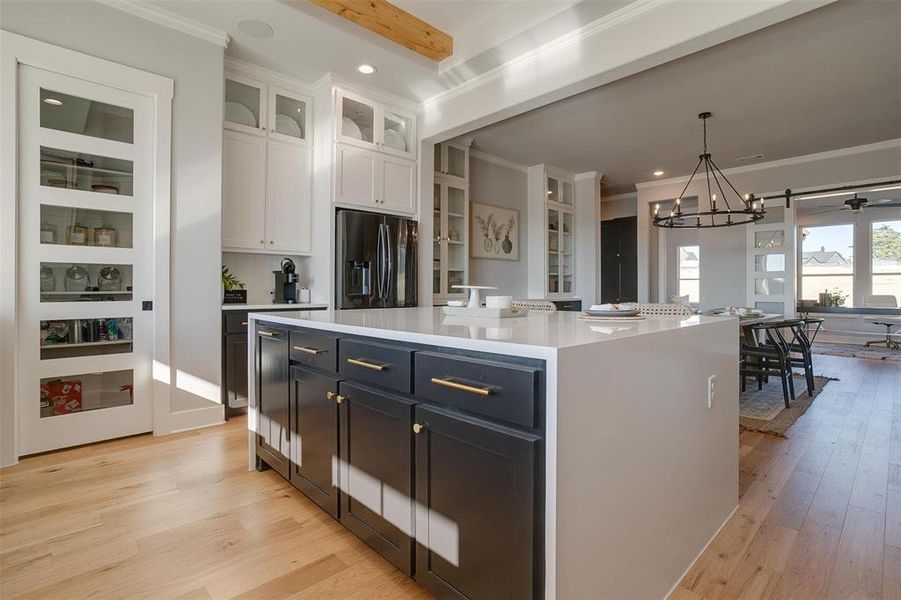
(181,517)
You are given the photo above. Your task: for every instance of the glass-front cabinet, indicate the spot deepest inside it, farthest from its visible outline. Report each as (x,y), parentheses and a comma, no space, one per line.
(255,107)
(375,126)
(452,160)
(450,258)
(560,248)
(85,258)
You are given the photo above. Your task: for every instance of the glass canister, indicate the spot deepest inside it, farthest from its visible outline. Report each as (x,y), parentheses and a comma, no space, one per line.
(105,236)
(48,233)
(110,280)
(48,280)
(77,279)
(78,235)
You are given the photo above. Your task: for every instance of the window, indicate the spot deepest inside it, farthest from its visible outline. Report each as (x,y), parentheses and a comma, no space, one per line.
(827,262)
(886,241)
(690,273)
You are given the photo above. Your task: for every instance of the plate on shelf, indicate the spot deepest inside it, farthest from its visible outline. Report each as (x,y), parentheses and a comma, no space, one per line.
(235,112)
(350,129)
(395,140)
(288,126)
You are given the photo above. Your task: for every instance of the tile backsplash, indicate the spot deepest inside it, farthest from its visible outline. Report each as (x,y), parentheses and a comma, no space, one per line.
(255,271)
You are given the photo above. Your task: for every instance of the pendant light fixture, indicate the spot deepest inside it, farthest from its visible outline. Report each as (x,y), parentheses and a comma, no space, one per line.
(720,212)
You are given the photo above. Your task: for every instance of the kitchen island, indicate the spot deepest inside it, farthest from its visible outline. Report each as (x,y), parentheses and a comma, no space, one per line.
(542,456)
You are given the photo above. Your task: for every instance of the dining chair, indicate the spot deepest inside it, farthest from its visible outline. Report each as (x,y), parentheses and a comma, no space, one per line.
(669,310)
(773,357)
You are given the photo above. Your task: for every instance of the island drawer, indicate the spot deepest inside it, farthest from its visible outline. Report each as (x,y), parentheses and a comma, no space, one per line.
(314,349)
(500,391)
(378,364)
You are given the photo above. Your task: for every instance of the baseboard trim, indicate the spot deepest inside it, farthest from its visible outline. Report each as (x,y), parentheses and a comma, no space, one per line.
(186,420)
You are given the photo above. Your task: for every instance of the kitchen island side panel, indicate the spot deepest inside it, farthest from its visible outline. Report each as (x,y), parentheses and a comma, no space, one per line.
(646,473)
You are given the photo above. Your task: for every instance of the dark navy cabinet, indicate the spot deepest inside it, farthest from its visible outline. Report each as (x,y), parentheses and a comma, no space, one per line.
(478,482)
(314,437)
(432,456)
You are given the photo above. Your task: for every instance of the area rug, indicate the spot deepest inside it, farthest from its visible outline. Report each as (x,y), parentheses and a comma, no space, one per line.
(764,410)
(856,351)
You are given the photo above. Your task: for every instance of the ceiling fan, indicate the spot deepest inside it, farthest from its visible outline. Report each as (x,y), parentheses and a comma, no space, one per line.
(855,205)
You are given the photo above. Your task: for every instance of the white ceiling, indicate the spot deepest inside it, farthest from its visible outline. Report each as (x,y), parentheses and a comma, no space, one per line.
(828,79)
(309,41)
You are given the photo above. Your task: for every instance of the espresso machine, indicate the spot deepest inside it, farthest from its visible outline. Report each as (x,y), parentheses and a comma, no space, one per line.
(286,283)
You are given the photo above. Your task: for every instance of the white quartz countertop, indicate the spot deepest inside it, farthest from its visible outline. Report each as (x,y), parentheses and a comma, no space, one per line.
(262,307)
(427,325)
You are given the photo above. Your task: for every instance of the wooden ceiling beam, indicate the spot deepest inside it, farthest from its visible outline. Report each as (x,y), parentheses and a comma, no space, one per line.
(390,22)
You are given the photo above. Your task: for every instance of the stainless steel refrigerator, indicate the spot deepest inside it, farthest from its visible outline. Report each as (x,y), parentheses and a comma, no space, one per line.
(375,260)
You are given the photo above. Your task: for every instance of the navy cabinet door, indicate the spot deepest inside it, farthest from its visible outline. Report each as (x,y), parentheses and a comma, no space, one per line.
(314,433)
(376,471)
(273,436)
(236,369)
(475,512)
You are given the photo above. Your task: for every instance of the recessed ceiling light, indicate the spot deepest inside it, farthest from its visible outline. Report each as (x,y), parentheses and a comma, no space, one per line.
(255,28)
(53,102)
(366,69)
(658,173)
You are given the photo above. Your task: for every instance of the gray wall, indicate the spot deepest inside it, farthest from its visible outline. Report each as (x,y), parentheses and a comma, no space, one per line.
(617,207)
(502,186)
(197,69)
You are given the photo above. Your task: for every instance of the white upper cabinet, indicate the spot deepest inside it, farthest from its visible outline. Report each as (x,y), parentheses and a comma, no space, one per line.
(255,107)
(243,191)
(452,161)
(373,180)
(375,126)
(288,197)
(267,168)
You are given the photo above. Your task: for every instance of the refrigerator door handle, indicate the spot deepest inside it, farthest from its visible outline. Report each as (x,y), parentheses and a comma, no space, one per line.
(389,263)
(380,260)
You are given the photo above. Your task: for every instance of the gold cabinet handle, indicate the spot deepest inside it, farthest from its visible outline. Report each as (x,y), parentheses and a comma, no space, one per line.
(313,351)
(366,365)
(417,427)
(449,383)
(243,323)
(339,398)
(269,333)
(330,395)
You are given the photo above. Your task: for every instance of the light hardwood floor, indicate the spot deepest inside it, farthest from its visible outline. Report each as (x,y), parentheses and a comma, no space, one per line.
(181,517)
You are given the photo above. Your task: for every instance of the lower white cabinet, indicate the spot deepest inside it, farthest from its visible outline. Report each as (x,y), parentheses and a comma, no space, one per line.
(266,194)
(374,180)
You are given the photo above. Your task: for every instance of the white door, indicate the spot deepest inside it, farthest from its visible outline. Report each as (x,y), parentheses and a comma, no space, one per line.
(356,176)
(288,197)
(771,262)
(85,264)
(243,191)
(398,178)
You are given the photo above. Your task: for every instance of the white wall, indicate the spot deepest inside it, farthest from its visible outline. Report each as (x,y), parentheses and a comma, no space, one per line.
(197,69)
(723,262)
(491,183)
(255,272)
(621,205)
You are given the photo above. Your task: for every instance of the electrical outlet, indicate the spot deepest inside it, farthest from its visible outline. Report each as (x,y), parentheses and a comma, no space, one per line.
(711,390)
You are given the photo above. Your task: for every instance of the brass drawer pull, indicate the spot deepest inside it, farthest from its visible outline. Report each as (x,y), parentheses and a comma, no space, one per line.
(417,427)
(243,323)
(269,333)
(448,383)
(366,365)
(335,396)
(313,351)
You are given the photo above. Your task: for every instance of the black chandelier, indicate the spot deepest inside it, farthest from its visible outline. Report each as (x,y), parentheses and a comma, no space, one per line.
(749,209)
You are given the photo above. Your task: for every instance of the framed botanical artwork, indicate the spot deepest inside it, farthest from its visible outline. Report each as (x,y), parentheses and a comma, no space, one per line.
(494,232)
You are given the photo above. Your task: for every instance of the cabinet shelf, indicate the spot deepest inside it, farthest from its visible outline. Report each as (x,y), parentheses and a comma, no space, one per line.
(85,344)
(88,293)
(87,168)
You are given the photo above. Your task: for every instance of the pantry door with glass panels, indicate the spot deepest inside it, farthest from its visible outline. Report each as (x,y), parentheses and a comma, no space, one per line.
(85,261)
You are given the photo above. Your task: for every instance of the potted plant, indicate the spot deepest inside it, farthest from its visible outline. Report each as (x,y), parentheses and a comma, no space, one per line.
(234,292)
(835,298)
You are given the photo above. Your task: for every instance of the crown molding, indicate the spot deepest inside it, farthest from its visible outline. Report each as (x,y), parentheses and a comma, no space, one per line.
(255,71)
(169,19)
(617,18)
(784,162)
(588,175)
(497,160)
(623,196)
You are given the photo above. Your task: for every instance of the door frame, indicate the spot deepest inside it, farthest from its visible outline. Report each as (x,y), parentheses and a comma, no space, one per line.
(18,50)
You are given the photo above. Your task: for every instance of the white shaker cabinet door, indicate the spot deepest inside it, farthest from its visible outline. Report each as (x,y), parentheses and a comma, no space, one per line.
(243,191)
(288,199)
(398,185)
(356,176)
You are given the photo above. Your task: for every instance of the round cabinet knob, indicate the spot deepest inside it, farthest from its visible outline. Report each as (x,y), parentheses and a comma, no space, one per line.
(339,398)
(262,241)
(330,395)
(417,427)
(271,242)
